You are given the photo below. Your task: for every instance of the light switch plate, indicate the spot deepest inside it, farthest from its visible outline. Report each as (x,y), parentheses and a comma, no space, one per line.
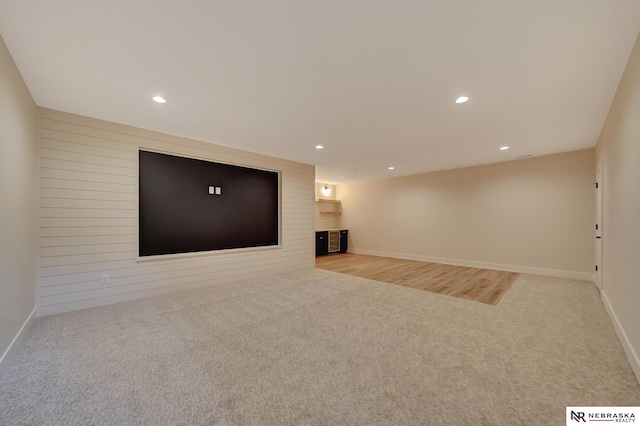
(211,190)
(218,190)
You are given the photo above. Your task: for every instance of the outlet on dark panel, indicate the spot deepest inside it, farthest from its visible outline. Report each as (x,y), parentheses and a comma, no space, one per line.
(180,213)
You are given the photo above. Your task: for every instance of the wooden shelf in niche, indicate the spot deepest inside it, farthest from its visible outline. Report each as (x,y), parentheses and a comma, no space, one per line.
(330,201)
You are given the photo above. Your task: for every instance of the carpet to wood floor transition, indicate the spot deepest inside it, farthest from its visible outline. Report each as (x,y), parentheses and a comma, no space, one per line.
(477,284)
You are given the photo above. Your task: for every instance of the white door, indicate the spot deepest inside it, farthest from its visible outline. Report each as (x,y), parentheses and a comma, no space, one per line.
(599,197)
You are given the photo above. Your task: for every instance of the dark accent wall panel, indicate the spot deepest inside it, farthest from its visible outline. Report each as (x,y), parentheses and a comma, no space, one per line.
(177,214)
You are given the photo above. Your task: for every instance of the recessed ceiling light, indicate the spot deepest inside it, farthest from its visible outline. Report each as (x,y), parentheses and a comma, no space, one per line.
(504,148)
(462,99)
(319,146)
(391,168)
(159,99)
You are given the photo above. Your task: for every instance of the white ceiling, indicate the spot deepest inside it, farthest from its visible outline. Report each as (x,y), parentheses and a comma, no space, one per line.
(373,81)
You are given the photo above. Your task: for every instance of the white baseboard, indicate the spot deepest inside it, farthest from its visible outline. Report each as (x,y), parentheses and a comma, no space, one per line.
(17,341)
(585,276)
(632,356)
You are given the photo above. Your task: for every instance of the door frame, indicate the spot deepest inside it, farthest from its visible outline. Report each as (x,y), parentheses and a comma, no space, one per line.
(599,244)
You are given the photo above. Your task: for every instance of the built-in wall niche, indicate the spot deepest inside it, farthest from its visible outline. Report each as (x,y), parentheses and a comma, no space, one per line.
(190,205)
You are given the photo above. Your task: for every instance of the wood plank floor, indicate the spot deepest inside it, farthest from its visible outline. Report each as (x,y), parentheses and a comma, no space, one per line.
(480,285)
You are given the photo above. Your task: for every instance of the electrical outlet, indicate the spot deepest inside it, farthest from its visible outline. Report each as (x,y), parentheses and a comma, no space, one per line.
(518,255)
(105,279)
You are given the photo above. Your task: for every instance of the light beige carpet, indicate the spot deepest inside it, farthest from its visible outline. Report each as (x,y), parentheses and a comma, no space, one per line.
(317,347)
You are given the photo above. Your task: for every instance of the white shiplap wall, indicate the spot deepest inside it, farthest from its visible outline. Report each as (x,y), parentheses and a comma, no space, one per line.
(88,217)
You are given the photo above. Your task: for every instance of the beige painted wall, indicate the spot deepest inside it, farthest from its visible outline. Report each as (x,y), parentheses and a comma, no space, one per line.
(482,216)
(88,217)
(18,189)
(618,151)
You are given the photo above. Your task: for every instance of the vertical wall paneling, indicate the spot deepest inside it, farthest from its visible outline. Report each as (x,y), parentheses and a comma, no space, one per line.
(88,217)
